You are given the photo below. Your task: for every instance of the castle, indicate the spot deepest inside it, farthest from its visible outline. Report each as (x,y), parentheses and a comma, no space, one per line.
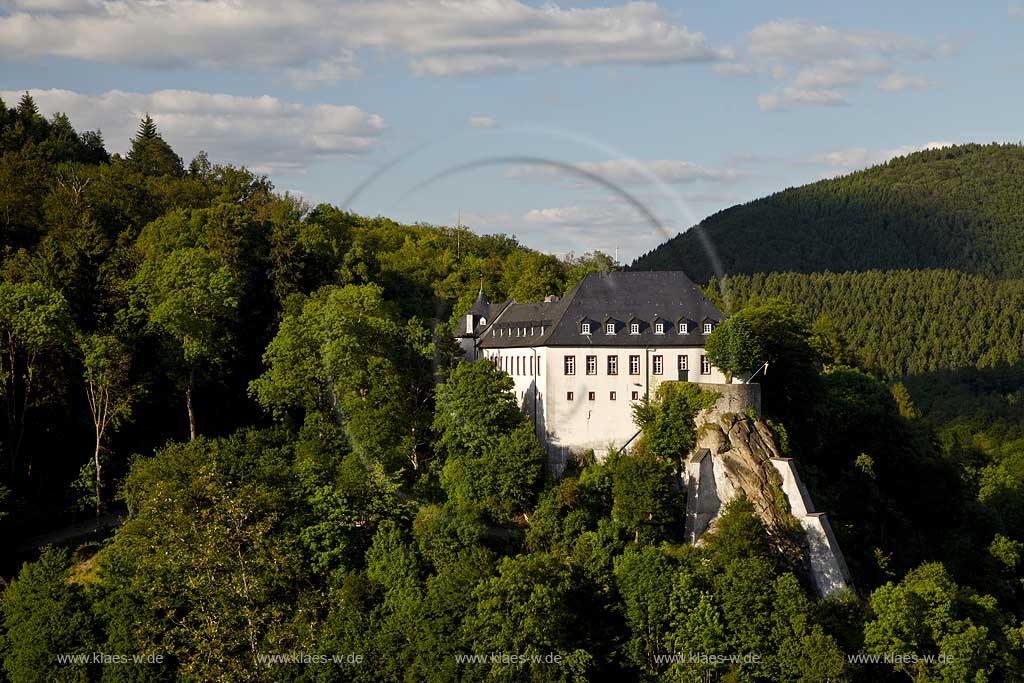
(580,362)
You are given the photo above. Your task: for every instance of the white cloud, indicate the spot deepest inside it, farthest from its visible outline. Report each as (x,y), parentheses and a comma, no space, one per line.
(780,99)
(824,60)
(481,122)
(316,39)
(264,133)
(733,69)
(904,150)
(634,172)
(897,81)
(842,161)
(803,42)
(342,66)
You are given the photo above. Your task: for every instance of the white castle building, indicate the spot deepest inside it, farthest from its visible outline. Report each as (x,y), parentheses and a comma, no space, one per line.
(579,363)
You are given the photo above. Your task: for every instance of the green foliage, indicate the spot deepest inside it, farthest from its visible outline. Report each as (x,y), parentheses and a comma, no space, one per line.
(409,522)
(45,614)
(642,494)
(35,329)
(928,614)
(344,355)
(667,420)
(955,207)
(474,408)
(897,322)
(735,346)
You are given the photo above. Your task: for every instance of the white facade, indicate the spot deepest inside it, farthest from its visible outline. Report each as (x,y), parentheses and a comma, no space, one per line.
(591,406)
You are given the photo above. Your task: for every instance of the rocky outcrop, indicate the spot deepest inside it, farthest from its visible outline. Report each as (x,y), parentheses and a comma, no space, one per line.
(737,455)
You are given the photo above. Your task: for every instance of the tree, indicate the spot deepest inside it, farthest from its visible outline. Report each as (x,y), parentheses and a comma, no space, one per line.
(109,391)
(474,408)
(644,578)
(190,301)
(502,480)
(151,155)
(642,492)
(34,326)
(344,356)
(591,262)
(668,420)
(734,347)
(206,568)
(45,614)
(928,614)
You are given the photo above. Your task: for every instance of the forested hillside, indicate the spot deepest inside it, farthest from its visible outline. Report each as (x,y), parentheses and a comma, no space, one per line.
(317,489)
(957,207)
(168,282)
(901,322)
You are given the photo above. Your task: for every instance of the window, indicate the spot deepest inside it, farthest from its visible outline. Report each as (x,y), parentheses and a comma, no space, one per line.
(570,365)
(585,328)
(634,365)
(611,395)
(591,396)
(613,365)
(517,364)
(591,365)
(707,328)
(568,396)
(684,328)
(705,365)
(658,364)
(609,328)
(636,396)
(659,328)
(634,328)
(531,365)
(684,363)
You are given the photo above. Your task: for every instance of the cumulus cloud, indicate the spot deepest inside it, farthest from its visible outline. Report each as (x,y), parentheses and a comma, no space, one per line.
(316,39)
(634,172)
(481,122)
(816,62)
(264,133)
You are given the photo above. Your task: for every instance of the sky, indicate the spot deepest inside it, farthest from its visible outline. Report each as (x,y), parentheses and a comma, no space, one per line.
(573,126)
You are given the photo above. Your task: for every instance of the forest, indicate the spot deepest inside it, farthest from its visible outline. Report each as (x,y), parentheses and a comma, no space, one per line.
(270,393)
(956,207)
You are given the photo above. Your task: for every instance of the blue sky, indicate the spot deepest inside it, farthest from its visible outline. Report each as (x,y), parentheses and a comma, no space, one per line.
(547,121)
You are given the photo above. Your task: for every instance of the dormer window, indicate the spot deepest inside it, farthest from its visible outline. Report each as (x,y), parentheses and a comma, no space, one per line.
(707,328)
(634,328)
(609,328)
(684,328)
(659,328)
(585,328)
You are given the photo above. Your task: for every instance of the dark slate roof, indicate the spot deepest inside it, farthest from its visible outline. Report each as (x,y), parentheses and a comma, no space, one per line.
(643,297)
(481,306)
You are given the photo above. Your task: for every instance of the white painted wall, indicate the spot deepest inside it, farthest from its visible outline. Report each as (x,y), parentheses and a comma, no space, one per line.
(580,424)
(602,423)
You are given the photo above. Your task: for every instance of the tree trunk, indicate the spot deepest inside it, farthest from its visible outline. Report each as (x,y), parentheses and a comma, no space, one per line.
(188,402)
(96,462)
